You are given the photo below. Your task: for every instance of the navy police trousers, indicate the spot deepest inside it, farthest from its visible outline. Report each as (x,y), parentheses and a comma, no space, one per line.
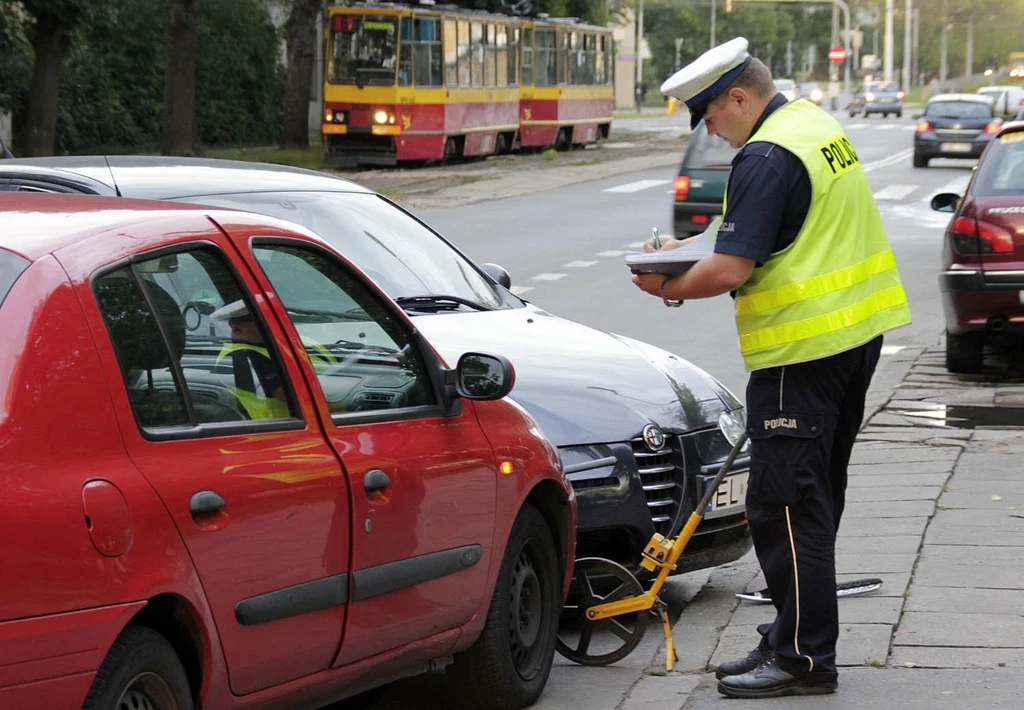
(803,420)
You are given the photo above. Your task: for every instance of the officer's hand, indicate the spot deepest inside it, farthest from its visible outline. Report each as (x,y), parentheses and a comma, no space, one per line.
(666,244)
(649,283)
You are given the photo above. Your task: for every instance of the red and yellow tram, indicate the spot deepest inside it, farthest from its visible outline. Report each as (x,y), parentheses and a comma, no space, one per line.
(413,83)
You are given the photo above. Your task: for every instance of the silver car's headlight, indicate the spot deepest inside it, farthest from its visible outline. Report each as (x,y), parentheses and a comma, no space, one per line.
(733,423)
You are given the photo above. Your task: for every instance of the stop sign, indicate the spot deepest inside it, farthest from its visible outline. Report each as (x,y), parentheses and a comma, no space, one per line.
(837,55)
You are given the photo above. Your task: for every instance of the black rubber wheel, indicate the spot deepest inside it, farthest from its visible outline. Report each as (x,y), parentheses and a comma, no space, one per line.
(508,666)
(141,672)
(920,161)
(852,114)
(965,353)
(899,114)
(599,643)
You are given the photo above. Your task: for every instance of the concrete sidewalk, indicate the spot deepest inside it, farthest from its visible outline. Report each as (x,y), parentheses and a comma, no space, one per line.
(935,509)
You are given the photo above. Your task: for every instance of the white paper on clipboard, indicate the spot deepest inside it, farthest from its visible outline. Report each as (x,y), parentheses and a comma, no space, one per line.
(673,262)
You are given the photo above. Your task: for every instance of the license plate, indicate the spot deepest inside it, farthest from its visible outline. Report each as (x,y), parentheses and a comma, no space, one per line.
(729,497)
(955,147)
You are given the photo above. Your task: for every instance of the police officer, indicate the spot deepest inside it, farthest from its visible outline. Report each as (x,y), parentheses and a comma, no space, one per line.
(257,379)
(802,247)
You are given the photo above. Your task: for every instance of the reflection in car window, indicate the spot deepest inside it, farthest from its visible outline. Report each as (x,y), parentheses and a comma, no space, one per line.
(1001,172)
(189,348)
(709,151)
(402,256)
(958,109)
(11,267)
(363,354)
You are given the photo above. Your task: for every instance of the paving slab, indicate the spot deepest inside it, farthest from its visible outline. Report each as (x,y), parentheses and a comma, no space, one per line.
(989,497)
(668,692)
(868,609)
(898,509)
(858,643)
(875,564)
(908,490)
(973,536)
(951,556)
(956,657)
(880,453)
(923,628)
(884,544)
(939,573)
(956,600)
(864,527)
(904,466)
(885,689)
(1008,520)
(894,480)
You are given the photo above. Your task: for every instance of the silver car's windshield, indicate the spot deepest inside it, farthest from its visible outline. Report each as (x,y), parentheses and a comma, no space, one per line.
(402,256)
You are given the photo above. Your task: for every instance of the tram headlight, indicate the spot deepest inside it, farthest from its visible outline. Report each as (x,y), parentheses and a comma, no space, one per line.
(381,117)
(328,116)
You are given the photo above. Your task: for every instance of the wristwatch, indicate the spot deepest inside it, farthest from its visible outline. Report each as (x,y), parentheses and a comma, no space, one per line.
(670,302)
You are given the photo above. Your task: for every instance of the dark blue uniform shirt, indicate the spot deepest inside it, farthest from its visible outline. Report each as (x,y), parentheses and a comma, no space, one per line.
(768,198)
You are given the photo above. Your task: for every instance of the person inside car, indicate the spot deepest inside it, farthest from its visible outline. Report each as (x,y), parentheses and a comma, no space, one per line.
(257,380)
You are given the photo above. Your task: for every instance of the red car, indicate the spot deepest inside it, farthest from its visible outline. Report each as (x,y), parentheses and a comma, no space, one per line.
(982,280)
(235,475)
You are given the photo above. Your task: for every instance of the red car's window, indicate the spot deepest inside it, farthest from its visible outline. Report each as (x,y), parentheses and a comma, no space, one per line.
(11,267)
(190,350)
(364,355)
(1001,172)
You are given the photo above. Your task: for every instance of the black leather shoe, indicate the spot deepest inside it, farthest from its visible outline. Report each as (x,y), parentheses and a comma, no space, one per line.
(759,656)
(770,681)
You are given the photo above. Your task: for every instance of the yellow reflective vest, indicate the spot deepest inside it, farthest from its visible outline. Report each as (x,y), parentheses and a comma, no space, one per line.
(836,286)
(258,406)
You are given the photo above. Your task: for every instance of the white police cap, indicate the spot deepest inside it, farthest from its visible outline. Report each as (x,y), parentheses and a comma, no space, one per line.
(235,309)
(707,76)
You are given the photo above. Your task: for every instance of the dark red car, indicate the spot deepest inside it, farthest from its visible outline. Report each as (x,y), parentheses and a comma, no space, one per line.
(982,279)
(235,475)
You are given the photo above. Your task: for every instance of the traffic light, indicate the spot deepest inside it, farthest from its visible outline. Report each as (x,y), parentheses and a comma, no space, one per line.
(728,5)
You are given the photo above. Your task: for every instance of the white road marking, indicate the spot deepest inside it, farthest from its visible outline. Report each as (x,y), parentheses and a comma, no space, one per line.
(895,158)
(548,277)
(855,125)
(894,192)
(612,252)
(636,245)
(636,186)
(520,290)
(579,264)
(892,349)
(912,127)
(885,127)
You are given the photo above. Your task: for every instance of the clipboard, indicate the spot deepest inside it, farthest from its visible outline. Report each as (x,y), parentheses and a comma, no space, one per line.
(673,262)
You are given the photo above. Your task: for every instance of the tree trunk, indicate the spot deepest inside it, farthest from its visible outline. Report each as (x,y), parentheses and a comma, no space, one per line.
(40,126)
(301,40)
(179,130)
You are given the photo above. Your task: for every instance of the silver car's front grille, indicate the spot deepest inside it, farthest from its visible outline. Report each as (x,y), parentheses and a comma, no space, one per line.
(661,475)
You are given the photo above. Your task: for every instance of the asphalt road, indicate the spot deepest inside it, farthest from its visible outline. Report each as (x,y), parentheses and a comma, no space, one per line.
(565,249)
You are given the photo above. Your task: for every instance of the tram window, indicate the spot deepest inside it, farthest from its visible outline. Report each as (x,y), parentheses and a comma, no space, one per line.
(513,56)
(546,64)
(527,56)
(451,53)
(405,53)
(464,54)
(476,40)
(599,75)
(590,59)
(502,55)
(363,50)
(563,57)
(427,56)
(490,50)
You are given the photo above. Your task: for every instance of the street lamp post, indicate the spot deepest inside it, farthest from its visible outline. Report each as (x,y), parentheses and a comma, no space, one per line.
(906,47)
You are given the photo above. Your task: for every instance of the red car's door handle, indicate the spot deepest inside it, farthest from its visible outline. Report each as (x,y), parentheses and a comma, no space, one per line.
(205,503)
(375,479)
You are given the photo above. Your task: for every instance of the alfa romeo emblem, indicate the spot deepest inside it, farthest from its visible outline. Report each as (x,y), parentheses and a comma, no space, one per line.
(654,437)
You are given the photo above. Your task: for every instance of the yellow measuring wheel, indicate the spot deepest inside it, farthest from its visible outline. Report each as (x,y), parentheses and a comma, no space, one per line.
(606,615)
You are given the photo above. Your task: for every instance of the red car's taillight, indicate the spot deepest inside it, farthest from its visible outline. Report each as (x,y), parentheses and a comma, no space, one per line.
(923,127)
(682,187)
(973,236)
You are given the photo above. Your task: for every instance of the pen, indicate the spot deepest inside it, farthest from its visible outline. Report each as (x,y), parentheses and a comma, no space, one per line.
(657,238)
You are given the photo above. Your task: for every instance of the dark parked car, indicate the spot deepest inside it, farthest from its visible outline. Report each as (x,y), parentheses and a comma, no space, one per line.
(700,185)
(640,430)
(882,97)
(982,280)
(954,126)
